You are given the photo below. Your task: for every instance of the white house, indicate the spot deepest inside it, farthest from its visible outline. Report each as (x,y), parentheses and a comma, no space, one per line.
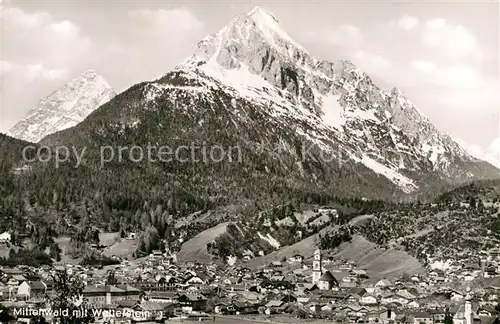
(31,289)
(327,281)
(5,237)
(327,209)
(195,280)
(394,298)
(163,296)
(368,300)
(296,258)
(383,283)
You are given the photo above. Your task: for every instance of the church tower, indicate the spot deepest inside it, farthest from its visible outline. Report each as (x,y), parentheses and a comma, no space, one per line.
(468,315)
(317,268)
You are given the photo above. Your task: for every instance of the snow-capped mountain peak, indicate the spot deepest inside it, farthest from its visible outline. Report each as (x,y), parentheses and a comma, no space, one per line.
(247,34)
(260,13)
(327,103)
(269,26)
(65,107)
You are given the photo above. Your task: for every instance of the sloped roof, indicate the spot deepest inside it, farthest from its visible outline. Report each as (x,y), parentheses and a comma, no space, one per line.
(357,290)
(490,320)
(328,277)
(193,297)
(151,306)
(383,282)
(163,294)
(420,315)
(128,303)
(10,271)
(275,303)
(102,289)
(128,288)
(37,285)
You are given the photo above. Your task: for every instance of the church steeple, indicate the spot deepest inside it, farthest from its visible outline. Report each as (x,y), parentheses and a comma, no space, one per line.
(468,315)
(317,267)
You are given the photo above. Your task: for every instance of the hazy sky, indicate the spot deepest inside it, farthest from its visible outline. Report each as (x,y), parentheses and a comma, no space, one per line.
(443,55)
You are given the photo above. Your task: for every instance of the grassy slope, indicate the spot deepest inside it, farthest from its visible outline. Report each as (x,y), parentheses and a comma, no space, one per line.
(306,247)
(121,248)
(195,249)
(378,262)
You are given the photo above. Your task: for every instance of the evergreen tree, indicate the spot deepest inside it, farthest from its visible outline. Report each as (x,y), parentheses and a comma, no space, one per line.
(55,252)
(472,202)
(68,290)
(448,318)
(111,278)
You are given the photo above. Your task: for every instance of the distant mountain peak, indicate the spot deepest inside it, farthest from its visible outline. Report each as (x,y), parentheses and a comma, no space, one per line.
(65,107)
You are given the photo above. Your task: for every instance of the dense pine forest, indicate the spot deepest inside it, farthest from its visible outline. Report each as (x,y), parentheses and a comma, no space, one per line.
(44,203)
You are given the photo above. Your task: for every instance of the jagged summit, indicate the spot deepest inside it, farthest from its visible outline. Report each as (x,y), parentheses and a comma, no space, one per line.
(260,13)
(269,25)
(248,34)
(65,107)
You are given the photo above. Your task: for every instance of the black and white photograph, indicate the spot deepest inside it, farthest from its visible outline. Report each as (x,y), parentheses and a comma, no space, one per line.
(226,161)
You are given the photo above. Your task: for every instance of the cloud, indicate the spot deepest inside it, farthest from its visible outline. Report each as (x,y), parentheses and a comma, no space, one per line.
(31,72)
(162,20)
(38,38)
(371,63)
(65,27)
(346,35)
(344,38)
(466,95)
(35,71)
(156,41)
(426,67)
(457,76)
(451,42)
(436,23)
(5,67)
(407,22)
(22,18)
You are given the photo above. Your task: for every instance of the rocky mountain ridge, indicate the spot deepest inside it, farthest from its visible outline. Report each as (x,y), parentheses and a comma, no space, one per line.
(64,108)
(251,84)
(337,102)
